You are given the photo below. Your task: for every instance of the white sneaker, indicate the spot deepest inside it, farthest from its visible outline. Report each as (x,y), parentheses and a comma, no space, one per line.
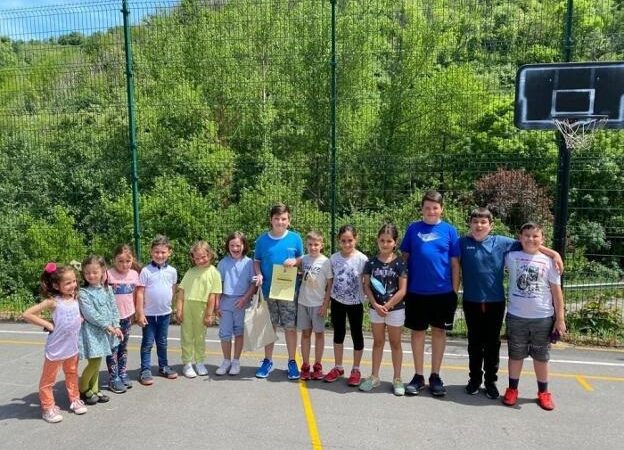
(201,369)
(223,368)
(188,371)
(78,407)
(52,415)
(235,367)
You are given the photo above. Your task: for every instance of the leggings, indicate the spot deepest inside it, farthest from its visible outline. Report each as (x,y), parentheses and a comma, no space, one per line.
(90,379)
(339,314)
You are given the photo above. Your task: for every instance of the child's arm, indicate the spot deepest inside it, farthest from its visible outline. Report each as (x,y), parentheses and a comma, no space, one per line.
(209,315)
(555,256)
(257,272)
(557,296)
(325,306)
(179,307)
(455,273)
(32,314)
(371,297)
(140,304)
(398,295)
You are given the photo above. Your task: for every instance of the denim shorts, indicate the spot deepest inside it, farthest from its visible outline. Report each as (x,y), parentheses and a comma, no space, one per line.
(529,337)
(283,313)
(308,317)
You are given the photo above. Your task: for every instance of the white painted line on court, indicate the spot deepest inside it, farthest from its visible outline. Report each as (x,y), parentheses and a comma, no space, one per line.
(405,352)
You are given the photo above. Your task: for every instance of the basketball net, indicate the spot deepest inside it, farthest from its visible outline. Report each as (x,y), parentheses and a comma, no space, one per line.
(578,132)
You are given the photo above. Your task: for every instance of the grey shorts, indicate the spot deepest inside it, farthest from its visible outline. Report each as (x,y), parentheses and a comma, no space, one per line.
(283,313)
(529,337)
(308,317)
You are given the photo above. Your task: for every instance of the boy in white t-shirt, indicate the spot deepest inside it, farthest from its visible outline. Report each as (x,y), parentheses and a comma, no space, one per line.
(313,303)
(534,311)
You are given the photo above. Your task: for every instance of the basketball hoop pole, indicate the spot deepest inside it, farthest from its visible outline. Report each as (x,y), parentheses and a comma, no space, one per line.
(563,194)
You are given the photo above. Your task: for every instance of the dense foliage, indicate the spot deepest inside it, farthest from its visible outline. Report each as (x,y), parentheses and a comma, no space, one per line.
(233,105)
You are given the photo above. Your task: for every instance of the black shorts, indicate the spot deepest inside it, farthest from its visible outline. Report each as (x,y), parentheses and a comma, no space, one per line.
(437,310)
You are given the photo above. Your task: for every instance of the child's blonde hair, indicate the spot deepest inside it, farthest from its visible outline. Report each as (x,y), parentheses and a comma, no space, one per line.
(202,245)
(314,236)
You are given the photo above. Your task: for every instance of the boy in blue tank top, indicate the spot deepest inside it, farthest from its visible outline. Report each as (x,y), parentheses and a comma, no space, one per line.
(483,270)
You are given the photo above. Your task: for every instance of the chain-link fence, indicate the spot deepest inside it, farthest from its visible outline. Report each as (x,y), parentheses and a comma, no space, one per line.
(347,111)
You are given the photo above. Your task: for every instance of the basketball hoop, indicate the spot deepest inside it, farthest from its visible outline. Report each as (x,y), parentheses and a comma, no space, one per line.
(578,131)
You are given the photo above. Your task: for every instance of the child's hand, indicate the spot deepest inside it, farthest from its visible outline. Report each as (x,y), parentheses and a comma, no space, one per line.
(560,326)
(117,332)
(179,315)
(323,310)
(290,262)
(240,303)
(558,263)
(209,320)
(381,310)
(49,327)
(257,279)
(141,320)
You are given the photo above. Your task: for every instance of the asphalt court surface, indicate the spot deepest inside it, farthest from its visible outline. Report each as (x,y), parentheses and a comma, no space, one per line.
(245,412)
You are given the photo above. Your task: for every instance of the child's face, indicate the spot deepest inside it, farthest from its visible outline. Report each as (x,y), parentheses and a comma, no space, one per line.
(67,284)
(431,212)
(531,239)
(314,247)
(93,274)
(386,243)
(236,248)
(201,258)
(123,262)
(160,254)
(347,242)
(280,223)
(480,227)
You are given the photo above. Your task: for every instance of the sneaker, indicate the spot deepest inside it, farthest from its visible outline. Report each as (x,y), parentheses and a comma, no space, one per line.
(201,369)
(78,407)
(544,399)
(235,367)
(369,384)
(125,379)
(145,378)
(101,397)
(416,385)
(511,397)
(117,386)
(317,371)
(355,378)
(293,370)
(472,387)
(398,387)
(265,368)
(436,386)
(89,400)
(305,372)
(52,415)
(491,391)
(224,367)
(333,375)
(188,371)
(168,373)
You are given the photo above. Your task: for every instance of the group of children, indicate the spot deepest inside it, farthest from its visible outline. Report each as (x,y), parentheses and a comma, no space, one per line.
(417,290)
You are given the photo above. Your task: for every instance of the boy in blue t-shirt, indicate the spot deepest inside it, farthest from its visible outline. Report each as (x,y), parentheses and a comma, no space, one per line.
(431,249)
(483,270)
(278,246)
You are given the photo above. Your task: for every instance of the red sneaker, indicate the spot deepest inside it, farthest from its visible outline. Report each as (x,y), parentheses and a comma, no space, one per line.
(354,378)
(305,372)
(511,397)
(333,375)
(544,399)
(317,371)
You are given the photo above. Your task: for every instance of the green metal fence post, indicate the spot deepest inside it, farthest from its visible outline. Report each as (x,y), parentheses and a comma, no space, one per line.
(132,127)
(333,182)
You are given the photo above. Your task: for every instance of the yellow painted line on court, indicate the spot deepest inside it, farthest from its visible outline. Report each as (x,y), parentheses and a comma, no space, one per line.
(583,382)
(315,437)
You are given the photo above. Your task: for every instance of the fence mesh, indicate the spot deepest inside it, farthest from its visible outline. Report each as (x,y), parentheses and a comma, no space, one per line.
(233,108)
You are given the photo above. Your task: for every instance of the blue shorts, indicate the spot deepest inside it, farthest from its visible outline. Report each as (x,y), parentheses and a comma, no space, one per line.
(231,322)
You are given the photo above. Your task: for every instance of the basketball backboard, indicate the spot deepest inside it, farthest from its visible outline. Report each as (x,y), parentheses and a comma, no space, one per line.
(545,92)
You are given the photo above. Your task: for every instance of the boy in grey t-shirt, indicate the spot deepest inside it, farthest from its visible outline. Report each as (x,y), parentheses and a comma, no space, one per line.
(313,303)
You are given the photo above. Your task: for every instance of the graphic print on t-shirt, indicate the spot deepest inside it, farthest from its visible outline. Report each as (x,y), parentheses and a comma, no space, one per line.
(428,237)
(527,279)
